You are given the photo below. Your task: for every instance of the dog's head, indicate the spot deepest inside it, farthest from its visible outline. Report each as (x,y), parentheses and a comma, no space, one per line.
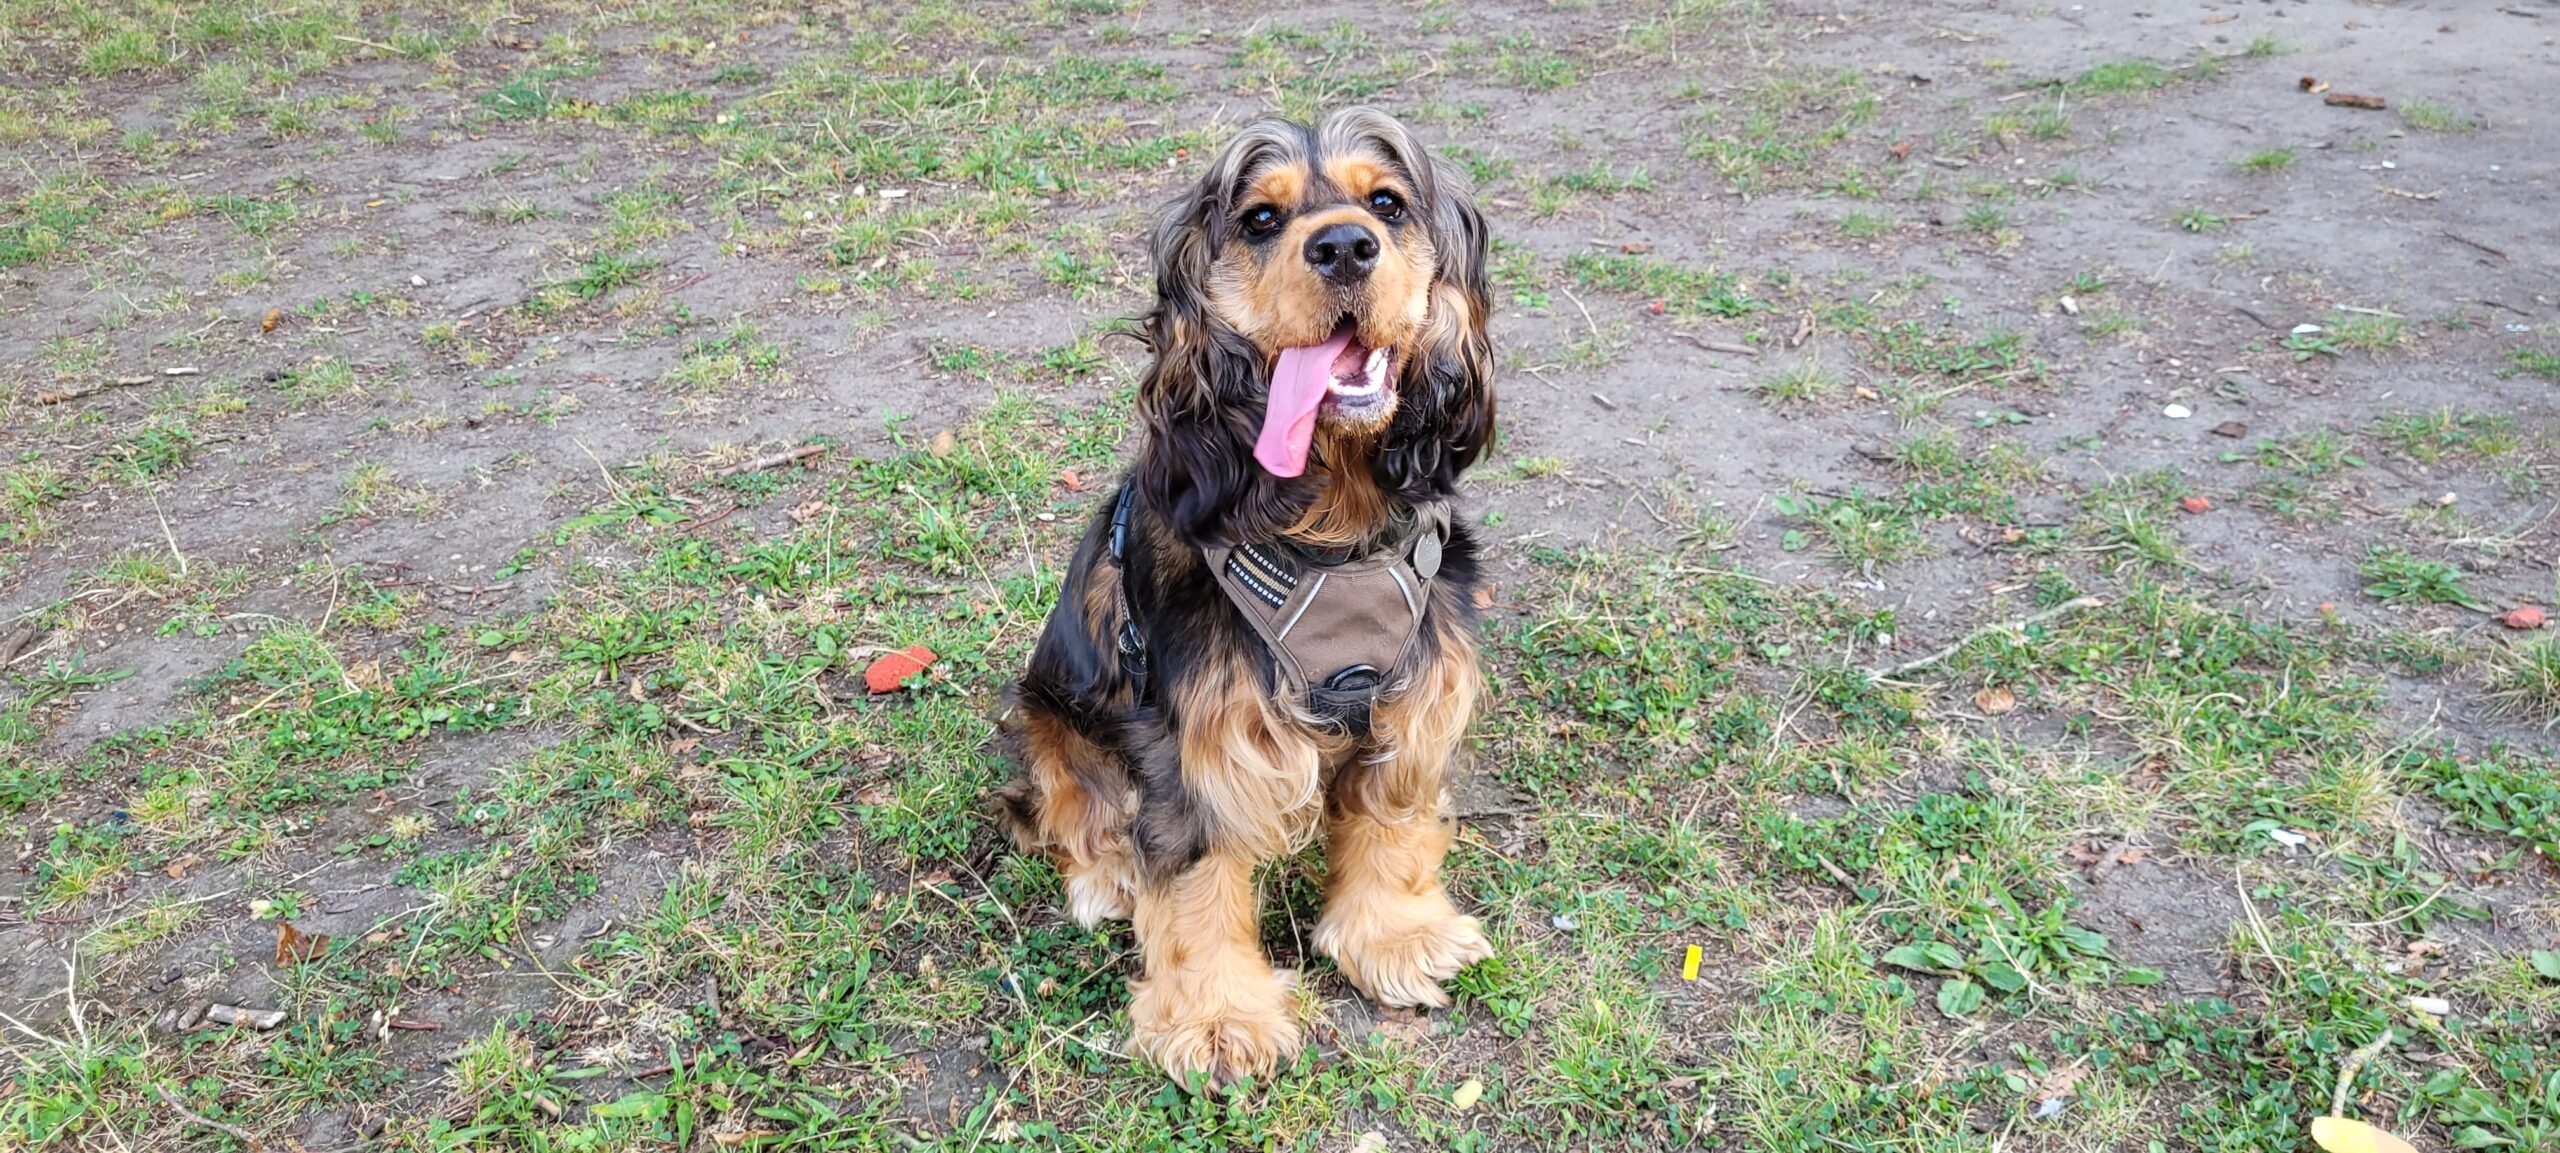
(1319,319)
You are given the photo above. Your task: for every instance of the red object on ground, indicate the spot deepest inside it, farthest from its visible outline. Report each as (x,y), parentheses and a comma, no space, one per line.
(2525,617)
(2196,503)
(889,673)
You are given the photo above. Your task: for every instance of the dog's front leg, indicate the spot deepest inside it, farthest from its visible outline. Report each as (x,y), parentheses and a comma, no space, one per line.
(1387,918)
(1209,1003)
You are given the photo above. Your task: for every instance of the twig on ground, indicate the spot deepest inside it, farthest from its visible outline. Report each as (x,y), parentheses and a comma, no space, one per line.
(235,1132)
(777,460)
(1723,346)
(2348,1069)
(2073,605)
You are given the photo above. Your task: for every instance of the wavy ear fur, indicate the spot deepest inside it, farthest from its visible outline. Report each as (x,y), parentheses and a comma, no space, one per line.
(1445,417)
(1202,398)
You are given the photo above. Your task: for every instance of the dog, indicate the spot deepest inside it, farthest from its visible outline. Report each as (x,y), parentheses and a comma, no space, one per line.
(1269,631)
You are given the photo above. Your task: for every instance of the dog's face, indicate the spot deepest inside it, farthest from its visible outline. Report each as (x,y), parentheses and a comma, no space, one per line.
(1329,235)
(1320,308)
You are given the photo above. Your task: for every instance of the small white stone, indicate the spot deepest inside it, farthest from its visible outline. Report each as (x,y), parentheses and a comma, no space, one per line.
(2177,412)
(2432,1006)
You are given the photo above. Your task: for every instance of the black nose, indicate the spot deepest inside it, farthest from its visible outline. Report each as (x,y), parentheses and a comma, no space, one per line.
(1343,253)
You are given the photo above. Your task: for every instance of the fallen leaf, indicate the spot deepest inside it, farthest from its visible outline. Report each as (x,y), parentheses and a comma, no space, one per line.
(943,443)
(177,869)
(1484,597)
(1901,151)
(2132,856)
(293,946)
(1370,1142)
(2195,504)
(1635,248)
(1466,1095)
(1071,479)
(2524,617)
(889,673)
(2353,100)
(2340,1135)
(682,745)
(274,317)
(2221,18)
(1995,700)
(2231,428)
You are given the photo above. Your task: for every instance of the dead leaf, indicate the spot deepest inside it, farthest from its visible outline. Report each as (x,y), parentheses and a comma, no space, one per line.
(875,795)
(2196,504)
(2231,428)
(293,946)
(177,869)
(2222,18)
(1995,700)
(943,443)
(1484,596)
(890,672)
(682,745)
(1370,1142)
(2353,100)
(274,317)
(2524,617)
(1466,1095)
(808,510)
(1071,480)
(2132,856)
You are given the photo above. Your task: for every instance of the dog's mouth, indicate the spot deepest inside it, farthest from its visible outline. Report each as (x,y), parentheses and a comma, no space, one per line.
(1341,375)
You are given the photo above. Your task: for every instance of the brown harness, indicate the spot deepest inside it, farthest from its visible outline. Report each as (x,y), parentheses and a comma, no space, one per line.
(1338,626)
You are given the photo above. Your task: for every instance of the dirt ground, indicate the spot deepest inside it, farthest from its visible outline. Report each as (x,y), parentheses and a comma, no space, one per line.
(385,551)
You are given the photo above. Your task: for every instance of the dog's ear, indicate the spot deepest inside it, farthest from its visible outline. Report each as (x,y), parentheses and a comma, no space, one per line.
(1445,419)
(1201,400)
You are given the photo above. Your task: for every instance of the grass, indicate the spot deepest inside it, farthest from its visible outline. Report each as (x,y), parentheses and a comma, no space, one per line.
(2265,160)
(2524,680)
(558,730)
(2428,116)
(2536,362)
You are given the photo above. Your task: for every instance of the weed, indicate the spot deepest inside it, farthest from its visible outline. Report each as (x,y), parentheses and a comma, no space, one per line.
(2199,220)
(2395,577)
(2265,160)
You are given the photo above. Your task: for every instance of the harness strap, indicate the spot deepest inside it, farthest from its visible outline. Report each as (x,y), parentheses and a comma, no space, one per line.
(1337,627)
(1131,642)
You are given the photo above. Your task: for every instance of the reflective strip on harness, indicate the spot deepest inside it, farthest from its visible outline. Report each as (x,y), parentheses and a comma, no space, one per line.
(1337,632)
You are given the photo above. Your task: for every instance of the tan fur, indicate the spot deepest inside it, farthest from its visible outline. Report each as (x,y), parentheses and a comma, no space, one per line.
(1084,833)
(1350,508)
(1387,918)
(1270,295)
(1209,1002)
(1256,771)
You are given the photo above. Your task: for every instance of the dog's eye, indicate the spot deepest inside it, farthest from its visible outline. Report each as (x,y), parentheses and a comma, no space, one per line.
(1386,205)
(1262,221)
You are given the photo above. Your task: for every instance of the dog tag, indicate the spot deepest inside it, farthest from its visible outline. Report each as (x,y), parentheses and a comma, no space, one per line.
(1426,555)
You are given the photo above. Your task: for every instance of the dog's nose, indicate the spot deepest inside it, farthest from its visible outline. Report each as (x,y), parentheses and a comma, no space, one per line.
(1343,253)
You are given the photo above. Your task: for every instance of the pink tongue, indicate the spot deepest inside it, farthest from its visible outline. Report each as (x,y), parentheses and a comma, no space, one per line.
(1297,390)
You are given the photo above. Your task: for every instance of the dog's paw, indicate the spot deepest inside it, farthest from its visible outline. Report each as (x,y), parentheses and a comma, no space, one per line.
(1224,1030)
(1099,893)
(1399,953)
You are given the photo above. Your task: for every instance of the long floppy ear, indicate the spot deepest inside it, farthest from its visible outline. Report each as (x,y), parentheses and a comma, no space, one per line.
(1445,419)
(1203,394)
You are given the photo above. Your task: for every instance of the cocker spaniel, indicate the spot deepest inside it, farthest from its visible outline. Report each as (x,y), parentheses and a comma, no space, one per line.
(1269,631)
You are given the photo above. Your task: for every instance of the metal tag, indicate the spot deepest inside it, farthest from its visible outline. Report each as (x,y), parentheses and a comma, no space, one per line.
(1426,555)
